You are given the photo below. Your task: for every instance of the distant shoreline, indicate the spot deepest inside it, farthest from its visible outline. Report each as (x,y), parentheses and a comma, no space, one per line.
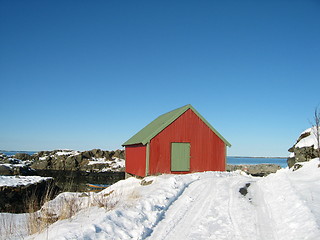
(227,156)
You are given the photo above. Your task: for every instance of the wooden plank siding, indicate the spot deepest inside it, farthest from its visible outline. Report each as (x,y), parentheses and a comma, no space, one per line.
(136,159)
(207,149)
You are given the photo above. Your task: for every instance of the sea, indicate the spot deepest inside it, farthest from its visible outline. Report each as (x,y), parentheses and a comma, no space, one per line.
(257,160)
(11,153)
(230,159)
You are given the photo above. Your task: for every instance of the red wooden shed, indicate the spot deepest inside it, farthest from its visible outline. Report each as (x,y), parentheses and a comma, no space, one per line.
(180,141)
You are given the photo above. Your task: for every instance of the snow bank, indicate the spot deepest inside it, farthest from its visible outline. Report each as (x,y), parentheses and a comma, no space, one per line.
(288,202)
(138,208)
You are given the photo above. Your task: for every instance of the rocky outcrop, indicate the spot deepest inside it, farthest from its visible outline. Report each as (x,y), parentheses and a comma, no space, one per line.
(22,156)
(305,148)
(16,169)
(14,166)
(258,170)
(95,160)
(26,198)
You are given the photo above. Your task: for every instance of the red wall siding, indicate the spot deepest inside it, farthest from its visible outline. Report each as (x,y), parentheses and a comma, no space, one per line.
(136,159)
(207,149)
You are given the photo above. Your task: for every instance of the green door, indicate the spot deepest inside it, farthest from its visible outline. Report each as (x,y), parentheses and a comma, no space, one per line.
(180,156)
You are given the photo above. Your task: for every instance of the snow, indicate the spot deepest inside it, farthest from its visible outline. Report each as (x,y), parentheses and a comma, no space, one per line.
(114,164)
(67,152)
(284,205)
(15,181)
(291,155)
(97,161)
(287,215)
(309,140)
(9,165)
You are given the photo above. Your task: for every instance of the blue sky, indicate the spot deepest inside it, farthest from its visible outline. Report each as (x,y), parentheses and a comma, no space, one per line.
(90,74)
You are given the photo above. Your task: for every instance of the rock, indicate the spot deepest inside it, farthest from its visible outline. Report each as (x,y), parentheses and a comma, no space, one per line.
(291,161)
(87,154)
(297,166)
(145,182)
(43,164)
(22,156)
(5,170)
(16,169)
(259,170)
(119,154)
(27,198)
(71,164)
(22,170)
(244,190)
(97,153)
(306,152)
(76,161)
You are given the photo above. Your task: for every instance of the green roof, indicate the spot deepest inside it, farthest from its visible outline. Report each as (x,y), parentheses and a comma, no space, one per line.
(160,123)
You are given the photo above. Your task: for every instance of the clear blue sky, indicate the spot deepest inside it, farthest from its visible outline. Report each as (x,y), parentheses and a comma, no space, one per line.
(90,74)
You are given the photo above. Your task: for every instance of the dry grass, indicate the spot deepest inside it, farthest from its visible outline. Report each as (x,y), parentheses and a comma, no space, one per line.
(68,206)
(64,206)
(33,223)
(107,201)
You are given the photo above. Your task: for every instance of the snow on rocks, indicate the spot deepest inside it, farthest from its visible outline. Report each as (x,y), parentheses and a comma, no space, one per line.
(95,160)
(15,181)
(113,165)
(67,153)
(16,192)
(309,139)
(305,148)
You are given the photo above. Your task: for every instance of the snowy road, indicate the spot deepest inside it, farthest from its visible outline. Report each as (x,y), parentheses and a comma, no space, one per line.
(210,208)
(281,206)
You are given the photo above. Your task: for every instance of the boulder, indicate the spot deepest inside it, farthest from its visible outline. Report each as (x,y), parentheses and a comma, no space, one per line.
(119,154)
(87,154)
(71,163)
(22,156)
(305,148)
(5,170)
(26,198)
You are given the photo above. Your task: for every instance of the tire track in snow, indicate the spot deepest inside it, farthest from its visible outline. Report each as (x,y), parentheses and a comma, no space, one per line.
(180,210)
(264,218)
(205,210)
(231,211)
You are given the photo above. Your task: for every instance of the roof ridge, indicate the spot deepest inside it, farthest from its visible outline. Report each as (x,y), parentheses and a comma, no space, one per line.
(168,122)
(164,120)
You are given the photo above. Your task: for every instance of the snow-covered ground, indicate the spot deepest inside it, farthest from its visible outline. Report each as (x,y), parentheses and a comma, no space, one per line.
(284,205)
